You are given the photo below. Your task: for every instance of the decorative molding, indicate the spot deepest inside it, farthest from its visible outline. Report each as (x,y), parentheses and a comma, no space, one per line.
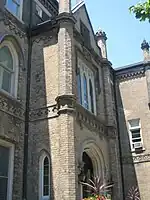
(136,159)
(130,74)
(11,107)
(43,113)
(89,120)
(10,21)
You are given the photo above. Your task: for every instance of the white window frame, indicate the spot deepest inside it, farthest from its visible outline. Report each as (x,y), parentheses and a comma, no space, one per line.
(43,8)
(39,11)
(14,79)
(84,70)
(20,9)
(10,167)
(41,171)
(130,134)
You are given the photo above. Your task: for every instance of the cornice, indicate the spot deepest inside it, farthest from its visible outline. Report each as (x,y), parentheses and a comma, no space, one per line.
(130,74)
(136,159)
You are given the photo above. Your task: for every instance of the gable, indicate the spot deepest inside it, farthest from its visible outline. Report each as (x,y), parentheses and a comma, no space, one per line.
(81,15)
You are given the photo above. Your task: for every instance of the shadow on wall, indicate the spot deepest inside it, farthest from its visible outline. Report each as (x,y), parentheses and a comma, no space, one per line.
(40,134)
(129,174)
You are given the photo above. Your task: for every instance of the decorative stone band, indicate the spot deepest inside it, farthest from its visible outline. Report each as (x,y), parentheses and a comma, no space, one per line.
(11,107)
(13,24)
(136,159)
(44,113)
(130,74)
(92,122)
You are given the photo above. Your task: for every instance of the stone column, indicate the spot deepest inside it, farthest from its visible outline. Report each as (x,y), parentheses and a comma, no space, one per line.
(101,41)
(66,104)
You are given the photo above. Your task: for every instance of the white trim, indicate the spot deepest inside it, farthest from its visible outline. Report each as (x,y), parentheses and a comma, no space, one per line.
(41,170)
(43,8)
(78,6)
(14,79)
(132,128)
(10,167)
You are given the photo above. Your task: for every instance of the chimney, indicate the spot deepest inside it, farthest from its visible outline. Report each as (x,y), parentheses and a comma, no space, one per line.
(101,42)
(145,47)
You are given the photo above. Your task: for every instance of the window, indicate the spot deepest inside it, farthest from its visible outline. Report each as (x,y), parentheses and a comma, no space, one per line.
(86,34)
(15,7)
(135,134)
(91,96)
(85,91)
(6,170)
(86,87)
(39,11)
(44,177)
(8,68)
(79,86)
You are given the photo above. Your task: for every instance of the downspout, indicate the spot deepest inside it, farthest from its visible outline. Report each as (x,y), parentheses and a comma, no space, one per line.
(119,141)
(27,106)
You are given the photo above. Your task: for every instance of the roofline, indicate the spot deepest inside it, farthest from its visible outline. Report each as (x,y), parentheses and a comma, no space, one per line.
(78,6)
(130,66)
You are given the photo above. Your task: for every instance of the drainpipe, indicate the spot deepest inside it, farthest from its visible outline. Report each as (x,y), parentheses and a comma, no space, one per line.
(27,106)
(119,141)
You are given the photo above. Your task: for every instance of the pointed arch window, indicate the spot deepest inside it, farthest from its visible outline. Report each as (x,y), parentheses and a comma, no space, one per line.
(44,175)
(85,90)
(8,68)
(91,96)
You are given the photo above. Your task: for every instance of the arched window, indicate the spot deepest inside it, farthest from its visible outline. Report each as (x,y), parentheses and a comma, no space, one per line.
(91,96)
(8,68)
(44,174)
(85,91)
(79,86)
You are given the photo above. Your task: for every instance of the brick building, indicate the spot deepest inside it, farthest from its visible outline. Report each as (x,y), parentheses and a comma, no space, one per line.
(58,105)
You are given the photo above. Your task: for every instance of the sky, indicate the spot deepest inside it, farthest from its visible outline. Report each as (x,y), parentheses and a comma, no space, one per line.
(125,33)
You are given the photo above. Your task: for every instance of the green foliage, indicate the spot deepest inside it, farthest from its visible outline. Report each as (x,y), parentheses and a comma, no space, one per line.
(141,10)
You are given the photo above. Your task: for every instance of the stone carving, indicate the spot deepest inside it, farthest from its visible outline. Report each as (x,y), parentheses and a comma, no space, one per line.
(43,113)
(136,159)
(90,120)
(8,21)
(11,107)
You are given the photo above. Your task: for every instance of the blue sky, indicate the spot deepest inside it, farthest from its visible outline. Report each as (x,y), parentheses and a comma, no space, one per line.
(124,32)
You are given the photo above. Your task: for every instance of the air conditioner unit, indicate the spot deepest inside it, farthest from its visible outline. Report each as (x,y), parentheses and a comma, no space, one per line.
(138,145)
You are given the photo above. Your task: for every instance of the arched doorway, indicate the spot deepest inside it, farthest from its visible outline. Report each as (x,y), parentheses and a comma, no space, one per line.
(93,164)
(88,173)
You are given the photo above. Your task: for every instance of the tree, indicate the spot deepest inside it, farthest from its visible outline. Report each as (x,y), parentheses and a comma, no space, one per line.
(141,10)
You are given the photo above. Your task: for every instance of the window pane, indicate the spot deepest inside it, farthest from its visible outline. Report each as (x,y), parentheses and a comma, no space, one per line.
(6,83)
(46,190)
(6,59)
(3,188)
(136,140)
(85,92)
(134,122)
(91,96)
(46,180)
(4,161)
(79,87)
(14,7)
